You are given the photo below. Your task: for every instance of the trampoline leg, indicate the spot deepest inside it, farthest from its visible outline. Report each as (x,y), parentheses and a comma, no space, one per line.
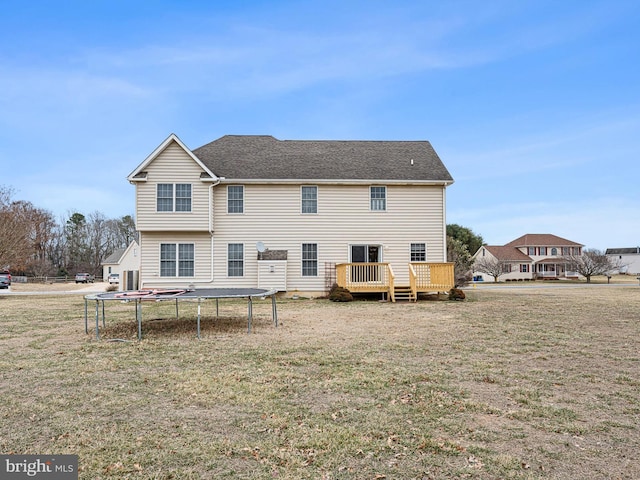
(177,314)
(249,314)
(97,320)
(217,310)
(274,310)
(139,318)
(104,322)
(86,312)
(198,316)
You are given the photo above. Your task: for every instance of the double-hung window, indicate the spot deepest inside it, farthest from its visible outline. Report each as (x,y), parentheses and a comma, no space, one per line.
(183,197)
(172,197)
(235,260)
(378,197)
(309,199)
(309,259)
(418,252)
(177,259)
(235,199)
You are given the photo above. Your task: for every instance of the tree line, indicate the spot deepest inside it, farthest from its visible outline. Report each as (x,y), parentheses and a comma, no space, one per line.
(34,243)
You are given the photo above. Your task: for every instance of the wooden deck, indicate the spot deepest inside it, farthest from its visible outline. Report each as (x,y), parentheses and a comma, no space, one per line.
(424,277)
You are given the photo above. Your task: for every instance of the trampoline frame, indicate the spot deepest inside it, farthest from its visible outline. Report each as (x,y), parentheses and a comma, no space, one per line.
(158,295)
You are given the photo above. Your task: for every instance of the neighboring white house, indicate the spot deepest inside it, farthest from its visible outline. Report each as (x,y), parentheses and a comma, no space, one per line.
(122,260)
(530,257)
(628,258)
(247,211)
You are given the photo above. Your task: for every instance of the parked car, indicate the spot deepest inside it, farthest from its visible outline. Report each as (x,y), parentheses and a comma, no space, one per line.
(84,278)
(114,278)
(5,279)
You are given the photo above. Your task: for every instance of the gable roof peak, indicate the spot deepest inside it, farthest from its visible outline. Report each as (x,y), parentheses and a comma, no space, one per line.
(138,175)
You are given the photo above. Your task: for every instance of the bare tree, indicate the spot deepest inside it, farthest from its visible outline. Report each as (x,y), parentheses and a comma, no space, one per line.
(491,266)
(592,262)
(23,232)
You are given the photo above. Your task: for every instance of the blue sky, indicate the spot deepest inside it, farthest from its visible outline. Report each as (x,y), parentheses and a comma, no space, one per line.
(534,106)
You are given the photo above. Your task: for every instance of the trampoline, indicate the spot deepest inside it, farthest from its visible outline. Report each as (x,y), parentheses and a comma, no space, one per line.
(164,294)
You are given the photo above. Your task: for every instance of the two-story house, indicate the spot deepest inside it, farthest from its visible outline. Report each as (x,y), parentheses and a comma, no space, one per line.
(255,211)
(530,257)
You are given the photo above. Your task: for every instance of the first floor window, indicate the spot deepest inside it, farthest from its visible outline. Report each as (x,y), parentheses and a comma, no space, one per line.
(506,268)
(309,259)
(235,260)
(524,267)
(418,252)
(177,259)
(378,198)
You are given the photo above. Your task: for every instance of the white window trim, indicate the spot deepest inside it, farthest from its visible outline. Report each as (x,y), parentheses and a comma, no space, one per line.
(174,198)
(243,201)
(425,251)
(177,260)
(302,212)
(244,260)
(386,198)
(317,260)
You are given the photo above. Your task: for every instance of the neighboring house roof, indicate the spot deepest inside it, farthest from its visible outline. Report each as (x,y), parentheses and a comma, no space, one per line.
(115,257)
(541,240)
(261,157)
(507,254)
(622,251)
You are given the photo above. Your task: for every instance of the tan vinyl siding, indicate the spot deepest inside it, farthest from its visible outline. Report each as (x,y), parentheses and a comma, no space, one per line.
(173,166)
(272,214)
(150,260)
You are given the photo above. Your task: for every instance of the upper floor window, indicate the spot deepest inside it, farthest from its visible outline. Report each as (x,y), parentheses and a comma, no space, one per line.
(565,250)
(309,259)
(177,259)
(554,251)
(309,199)
(543,250)
(378,198)
(235,260)
(531,250)
(173,197)
(235,199)
(183,197)
(419,252)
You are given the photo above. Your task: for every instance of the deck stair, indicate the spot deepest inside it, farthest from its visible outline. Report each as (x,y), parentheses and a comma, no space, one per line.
(403,293)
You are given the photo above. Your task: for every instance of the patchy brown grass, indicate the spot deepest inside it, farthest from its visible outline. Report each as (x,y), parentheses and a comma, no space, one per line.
(515,383)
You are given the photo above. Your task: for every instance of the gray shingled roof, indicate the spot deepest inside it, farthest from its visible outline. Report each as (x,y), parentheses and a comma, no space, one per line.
(115,257)
(621,251)
(265,157)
